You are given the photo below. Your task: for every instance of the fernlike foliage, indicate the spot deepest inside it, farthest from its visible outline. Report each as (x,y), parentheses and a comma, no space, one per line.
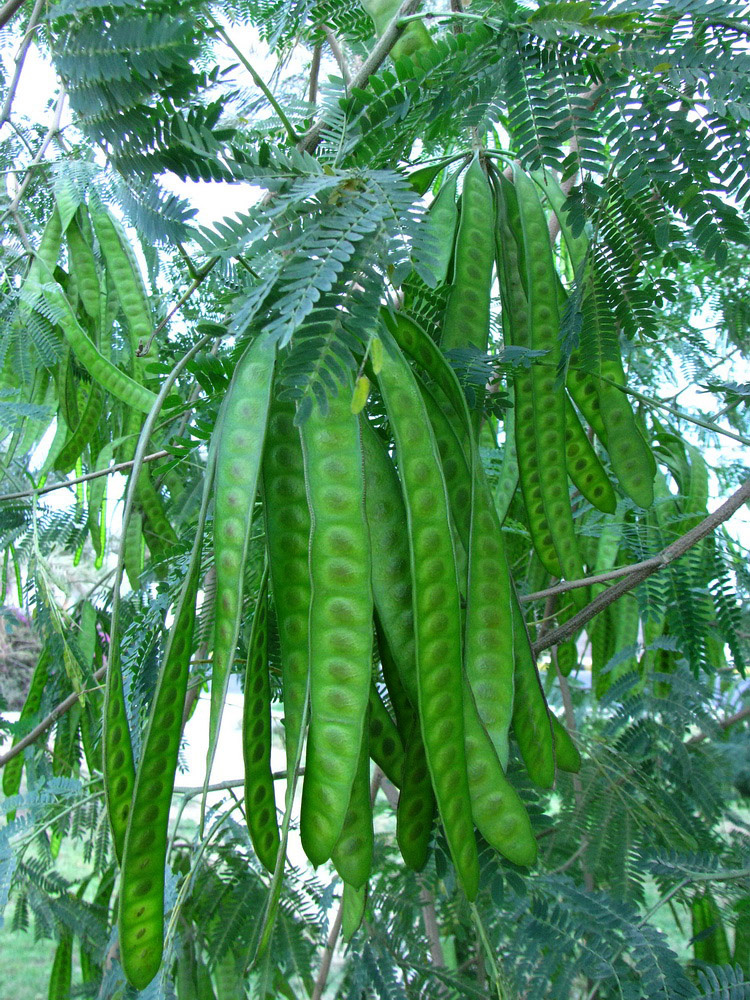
(624,128)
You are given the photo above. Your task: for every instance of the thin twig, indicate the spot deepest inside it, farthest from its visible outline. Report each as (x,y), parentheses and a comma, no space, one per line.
(725,723)
(565,585)
(388,39)
(257,79)
(119,467)
(47,722)
(197,281)
(20,59)
(651,566)
(338,55)
(51,133)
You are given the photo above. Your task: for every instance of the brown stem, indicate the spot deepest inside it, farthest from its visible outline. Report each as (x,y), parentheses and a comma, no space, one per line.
(647,569)
(388,39)
(431,928)
(315,73)
(20,59)
(725,723)
(51,133)
(338,55)
(119,467)
(8,10)
(46,723)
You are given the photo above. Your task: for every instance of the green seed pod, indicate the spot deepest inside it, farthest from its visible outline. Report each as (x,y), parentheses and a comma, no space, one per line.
(239,450)
(353,904)
(140,915)
(496,807)
(260,801)
(352,855)
(567,756)
(340,621)
(436,608)
(532,727)
(467,315)
(583,464)
(386,748)
(288,538)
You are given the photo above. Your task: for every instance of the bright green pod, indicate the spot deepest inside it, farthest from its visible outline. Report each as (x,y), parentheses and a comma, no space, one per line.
(516,331)
(413,340)
(548,399)
(159,534)
(584,391)
(467,315)
(13,770)
(497,810)
(508,480)
(79,440)
(260,800)
(97,501)
(353,902)
(341,610)
(118,766)
(42,265)
(61,977)
(288,539)
(741,955)
(567,755)
(456,470)
(438,234)
(567,657)
(99,368)
(352,855)
(132,543)
(583,465)
(403,707)
(391,568)
(83,266)
(386,748)
(239,450)
(416,803)
(437,610)
(126,275)
(141,909)
(488,631)
(531,717)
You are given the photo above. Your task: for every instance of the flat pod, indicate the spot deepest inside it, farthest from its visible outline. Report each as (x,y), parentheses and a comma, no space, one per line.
(517,332)
(567,756)
(548,398)
(531,718)
(141,921)
(386,748)
(391,566)
(260,800)
(352,855)
(496,807)
(287,520)
(340,635)
(467,315)
(437,610)
(239,450)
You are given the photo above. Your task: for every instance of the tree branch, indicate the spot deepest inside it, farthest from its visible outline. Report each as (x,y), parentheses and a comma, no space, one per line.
(20,59)
(46,723)
(388,39)
(119,467)
(338,55)
(8,10)
(315,73)
(646,569)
